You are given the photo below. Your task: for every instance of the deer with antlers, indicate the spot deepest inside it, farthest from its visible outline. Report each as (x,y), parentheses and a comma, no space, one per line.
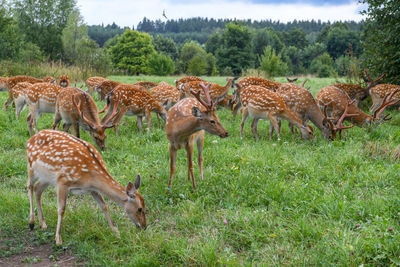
(356,91)
(261,103)
(166,94)
(41,98)
(379,92)
(302,102)
(73,165)
(334,101)
(63,81)
(106,87)
(16,95)
(93,82)
(186,122)
(77,108)
(131,100)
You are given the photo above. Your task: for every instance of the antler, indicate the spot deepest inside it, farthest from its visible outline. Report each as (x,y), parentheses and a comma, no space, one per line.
(339,125)
(113,114)
(387,102)
(369,80)
(209,104)
(80,113)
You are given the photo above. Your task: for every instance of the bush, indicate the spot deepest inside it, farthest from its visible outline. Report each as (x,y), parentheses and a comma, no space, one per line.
(272,64)
(323,66)
(197,66)
(160,64)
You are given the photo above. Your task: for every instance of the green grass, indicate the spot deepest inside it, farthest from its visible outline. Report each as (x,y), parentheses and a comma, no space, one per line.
(291,202)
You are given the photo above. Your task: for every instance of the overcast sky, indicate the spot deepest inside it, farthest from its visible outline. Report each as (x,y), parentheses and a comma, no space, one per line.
(130,13)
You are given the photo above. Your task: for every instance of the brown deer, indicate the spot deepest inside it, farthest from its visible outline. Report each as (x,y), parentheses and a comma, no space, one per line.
(356,91)
(186,122)
(147,85)
(63,81)
(3,83)
(49,79)
(335,100)
(93,82)
(379,92)
(12,81)
(131,100)
(261,103)
(77,108)
(106,87)
(41,98)
(17,95)
(302,102)
(217,92)
(166,94)
(180,82)
(73,165)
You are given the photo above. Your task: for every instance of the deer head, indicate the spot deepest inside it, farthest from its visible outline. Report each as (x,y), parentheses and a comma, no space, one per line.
(339,125)
(134,206)
(387,102)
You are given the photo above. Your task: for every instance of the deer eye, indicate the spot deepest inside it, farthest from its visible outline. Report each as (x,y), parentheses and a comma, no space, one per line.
(212,121)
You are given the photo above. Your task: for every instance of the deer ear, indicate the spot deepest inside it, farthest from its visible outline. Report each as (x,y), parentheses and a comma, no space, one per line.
(137,182)
(197,112)
(130,190)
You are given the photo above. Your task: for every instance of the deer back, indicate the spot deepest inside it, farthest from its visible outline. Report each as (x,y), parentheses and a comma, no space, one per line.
(247,81)
(94,81)
(381,90)
(165,92)
(43,91)
(355,91)
(180,82)
(12,81)
(147,85)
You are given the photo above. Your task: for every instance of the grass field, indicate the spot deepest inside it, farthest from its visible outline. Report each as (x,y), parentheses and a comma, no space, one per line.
(289,202)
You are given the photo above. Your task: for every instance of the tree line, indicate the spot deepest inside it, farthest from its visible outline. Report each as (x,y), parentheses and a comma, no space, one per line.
(52,30)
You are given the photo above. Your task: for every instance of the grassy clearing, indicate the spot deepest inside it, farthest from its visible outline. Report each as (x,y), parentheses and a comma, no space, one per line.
(273,202)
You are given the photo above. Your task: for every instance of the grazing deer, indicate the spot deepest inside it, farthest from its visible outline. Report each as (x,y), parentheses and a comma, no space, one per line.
(41,98)
(12,81)
(379,92)
(93,82)
(180,82)
(3,83)
(217,92)
(335,100)
(76,107)
(166,94)
(248,81)
(356,91)
(147,85)
(131,100)
(63,81)
(302,102)
(106,87)
(73,165)
(261,103)
(186,122)
(17,95)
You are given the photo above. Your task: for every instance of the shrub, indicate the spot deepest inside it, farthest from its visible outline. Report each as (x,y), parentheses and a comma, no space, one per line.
(160,64)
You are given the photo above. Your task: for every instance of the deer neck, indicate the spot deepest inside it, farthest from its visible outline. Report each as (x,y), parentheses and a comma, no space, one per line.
(316,117)
(111,188)
(185,127)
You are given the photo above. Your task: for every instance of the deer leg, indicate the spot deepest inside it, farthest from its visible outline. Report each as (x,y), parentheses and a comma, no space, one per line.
(148,117)
(56,121)
(245,114)
(99,199)
(254,127)
(172,154)
(76,129)
(66,127)
(39,188)
(31,182)
(140,123)
(8,102)
(19,106)
(275,124)
(236,109)
(62,192)
(189,153)
(200,145)
(29,123)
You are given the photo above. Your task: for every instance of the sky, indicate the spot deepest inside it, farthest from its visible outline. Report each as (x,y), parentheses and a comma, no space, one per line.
(130,13)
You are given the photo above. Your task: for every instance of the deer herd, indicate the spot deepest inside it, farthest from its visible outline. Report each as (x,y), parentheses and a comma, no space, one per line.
(189,109)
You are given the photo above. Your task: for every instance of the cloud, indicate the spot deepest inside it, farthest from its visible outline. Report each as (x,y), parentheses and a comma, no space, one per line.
(130,13)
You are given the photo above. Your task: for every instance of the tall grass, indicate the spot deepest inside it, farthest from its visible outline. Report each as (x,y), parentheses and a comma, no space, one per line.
(289,202)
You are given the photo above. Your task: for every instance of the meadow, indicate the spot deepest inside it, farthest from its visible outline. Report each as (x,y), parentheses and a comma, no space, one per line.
(287,202)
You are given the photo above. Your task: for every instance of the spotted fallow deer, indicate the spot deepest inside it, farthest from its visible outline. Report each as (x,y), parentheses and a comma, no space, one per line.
(260,103)
(379,92)
(302,102)
(49,79)
(12,81)
(77,108)
(186,122)
(180,82)
(147,85)
(63,81)
(106,87)
(133,101)
(248,81)
(17,95)
(217,92)
(73,165)
(93,82)
(335,100)
(356,91)
(166,94)
(41,98)
(3,83)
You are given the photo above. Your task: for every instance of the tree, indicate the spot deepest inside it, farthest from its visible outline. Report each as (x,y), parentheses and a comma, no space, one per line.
(341,39)
(381,39)
(197,66)
(42,23)
(295,37)
(166,46)
(235,50)
(190,50)
(132,51)
(10,37)
(323,66)
(160,64)
(272,64)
